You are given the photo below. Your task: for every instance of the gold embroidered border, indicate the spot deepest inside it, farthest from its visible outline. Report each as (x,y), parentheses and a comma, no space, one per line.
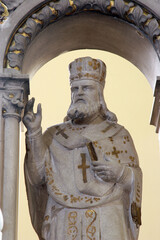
(91,229)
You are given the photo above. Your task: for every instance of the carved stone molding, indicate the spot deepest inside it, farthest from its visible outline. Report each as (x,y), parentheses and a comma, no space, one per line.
(7,6)
(4,13)
(14,96)
(12,101)
(12,4)
(128,11)
(155,119)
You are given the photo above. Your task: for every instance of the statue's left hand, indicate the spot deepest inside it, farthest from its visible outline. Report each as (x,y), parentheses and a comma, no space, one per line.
(108,171)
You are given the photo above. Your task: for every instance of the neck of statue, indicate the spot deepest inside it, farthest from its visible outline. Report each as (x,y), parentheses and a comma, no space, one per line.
(95,119)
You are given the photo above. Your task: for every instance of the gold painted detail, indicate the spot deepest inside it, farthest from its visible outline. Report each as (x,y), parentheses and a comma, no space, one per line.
(11,95)
(25,34)
(136,214)
(107,128)
(111,5)
(72,230)
(37,20)
(17,68)
(91,229)
(53,10)
(71,2)
(148,21)
(111,139)
(65,197)
(138,193)
(46,218)
(132,158)
(130,12)
(4,13)
(17,51)
(94,64)
(92,151)
(108,153)
(97,146)
(50,179)
(79,69)
(131,165)
(75,199)
(126,138)
(95,143)
(131,9)
(84,167)
(115,152)
(73,5)
(78,128)
(61,132)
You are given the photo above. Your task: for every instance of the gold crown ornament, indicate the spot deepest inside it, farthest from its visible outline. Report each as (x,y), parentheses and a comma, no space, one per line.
(87,68)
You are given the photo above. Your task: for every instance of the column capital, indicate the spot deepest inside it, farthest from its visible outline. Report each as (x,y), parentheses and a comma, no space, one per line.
(14,93)
(155,118)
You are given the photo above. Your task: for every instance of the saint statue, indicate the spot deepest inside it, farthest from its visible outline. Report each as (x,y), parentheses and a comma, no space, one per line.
(82,176)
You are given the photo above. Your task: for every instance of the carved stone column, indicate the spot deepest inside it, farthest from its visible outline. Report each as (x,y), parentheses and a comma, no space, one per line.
(155,120)
(14,92)
(1,149)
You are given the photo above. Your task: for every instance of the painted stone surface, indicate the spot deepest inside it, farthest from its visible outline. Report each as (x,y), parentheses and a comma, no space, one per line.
(82,176)
(130,12)
(12,4)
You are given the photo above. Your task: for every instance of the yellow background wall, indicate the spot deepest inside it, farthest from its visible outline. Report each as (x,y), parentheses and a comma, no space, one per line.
(128,94)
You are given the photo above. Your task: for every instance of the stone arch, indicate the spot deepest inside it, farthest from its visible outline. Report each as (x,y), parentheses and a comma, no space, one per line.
(35,31)
(25,51)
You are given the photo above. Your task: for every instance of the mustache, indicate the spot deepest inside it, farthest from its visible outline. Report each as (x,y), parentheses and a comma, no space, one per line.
(83,99)
(80,110)
(76,115)
(79,100)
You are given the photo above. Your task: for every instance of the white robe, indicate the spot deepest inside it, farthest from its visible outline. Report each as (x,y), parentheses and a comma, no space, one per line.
(65,203)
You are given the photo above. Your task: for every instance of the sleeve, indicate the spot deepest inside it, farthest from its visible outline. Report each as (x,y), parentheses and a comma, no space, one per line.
(34,169)
(34,159)
(131,180)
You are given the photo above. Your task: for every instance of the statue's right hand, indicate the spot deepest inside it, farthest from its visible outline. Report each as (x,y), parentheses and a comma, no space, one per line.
(32,120)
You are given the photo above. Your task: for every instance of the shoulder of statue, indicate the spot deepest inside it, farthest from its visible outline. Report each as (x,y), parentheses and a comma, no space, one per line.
(113,129)
(50,133)
(120,132)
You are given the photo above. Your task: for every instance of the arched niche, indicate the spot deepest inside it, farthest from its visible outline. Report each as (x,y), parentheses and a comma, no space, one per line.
(47,29)
(37,31)
(92,31)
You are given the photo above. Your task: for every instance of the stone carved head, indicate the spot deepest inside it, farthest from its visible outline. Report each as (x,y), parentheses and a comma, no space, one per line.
(87,79)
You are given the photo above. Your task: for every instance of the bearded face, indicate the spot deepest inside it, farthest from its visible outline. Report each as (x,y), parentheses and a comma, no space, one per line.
(85,100)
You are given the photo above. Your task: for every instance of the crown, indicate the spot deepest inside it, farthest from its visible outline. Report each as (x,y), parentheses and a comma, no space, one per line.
(87,68)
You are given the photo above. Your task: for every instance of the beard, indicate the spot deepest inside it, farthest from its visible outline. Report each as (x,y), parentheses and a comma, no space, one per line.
(82,110)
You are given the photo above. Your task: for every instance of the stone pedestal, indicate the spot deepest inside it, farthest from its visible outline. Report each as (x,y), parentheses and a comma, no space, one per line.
(13,92)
